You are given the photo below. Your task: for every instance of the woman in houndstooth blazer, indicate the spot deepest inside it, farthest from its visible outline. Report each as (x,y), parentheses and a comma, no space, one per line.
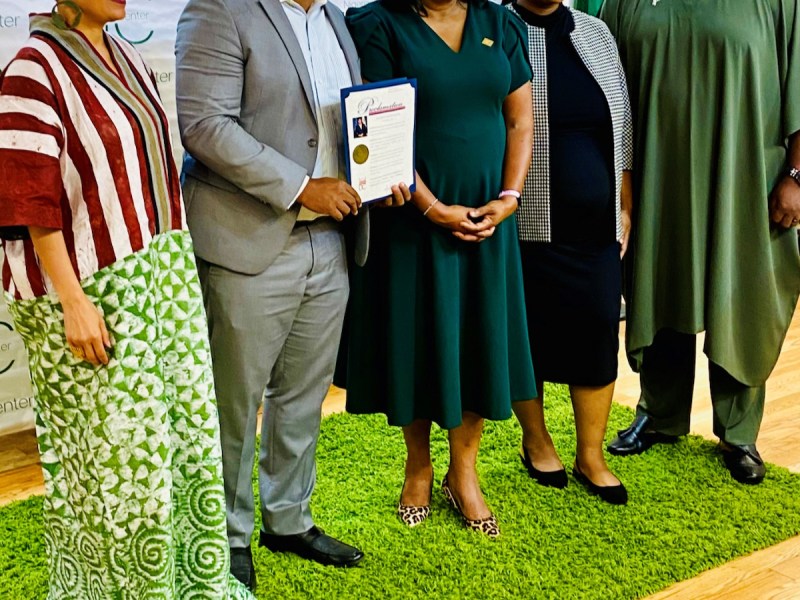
(574,222)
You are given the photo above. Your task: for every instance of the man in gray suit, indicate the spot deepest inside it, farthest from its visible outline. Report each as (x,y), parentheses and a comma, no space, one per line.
(258,86)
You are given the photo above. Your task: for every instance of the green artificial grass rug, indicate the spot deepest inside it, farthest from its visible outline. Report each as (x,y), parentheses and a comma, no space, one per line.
(685,515)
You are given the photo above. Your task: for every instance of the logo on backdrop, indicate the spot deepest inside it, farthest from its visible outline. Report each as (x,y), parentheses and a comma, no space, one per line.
(133,41)
(4,348)
(134,28)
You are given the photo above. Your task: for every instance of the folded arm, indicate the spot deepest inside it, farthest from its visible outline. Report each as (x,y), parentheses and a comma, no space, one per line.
(519,145)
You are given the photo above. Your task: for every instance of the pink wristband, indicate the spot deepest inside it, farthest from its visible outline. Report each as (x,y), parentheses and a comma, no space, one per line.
(513,193)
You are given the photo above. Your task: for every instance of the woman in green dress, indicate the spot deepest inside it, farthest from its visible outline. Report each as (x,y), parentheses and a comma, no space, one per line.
(715,89)
(437,329)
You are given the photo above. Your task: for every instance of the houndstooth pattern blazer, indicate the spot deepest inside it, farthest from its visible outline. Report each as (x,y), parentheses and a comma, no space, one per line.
(598,51)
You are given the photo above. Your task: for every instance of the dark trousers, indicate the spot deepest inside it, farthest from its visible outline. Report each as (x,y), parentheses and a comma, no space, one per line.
(667,380)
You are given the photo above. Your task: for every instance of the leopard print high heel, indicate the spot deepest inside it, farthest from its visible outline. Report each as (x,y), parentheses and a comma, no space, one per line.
(488,526)
(414,515)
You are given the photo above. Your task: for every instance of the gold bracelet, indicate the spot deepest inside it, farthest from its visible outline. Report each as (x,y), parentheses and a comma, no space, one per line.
(427,210)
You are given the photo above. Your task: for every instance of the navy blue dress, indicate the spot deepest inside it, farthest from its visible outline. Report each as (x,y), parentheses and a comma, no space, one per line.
(573,284)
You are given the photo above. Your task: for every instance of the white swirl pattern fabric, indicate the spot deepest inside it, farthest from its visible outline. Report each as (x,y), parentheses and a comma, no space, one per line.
(134,505)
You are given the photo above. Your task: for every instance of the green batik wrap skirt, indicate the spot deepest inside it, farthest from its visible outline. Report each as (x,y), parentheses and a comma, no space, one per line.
(134,507)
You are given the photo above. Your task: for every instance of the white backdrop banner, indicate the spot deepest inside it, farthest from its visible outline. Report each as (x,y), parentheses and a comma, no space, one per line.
(16,397)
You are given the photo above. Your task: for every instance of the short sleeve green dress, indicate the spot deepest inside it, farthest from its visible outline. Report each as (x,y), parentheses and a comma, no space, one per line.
(436,326)
(715,90)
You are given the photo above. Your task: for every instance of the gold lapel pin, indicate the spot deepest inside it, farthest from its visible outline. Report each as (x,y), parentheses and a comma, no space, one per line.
(488,42)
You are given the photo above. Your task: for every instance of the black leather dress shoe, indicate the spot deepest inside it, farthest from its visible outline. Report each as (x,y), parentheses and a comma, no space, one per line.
(554,479)
(744,463)
(314,545)
(242,567)
(613,494)
(636,438)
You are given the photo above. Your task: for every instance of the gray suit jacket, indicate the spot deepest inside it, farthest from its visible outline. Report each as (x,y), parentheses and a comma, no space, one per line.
(248,123)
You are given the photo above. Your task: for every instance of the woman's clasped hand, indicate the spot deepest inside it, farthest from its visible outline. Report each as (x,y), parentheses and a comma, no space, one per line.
(473,224)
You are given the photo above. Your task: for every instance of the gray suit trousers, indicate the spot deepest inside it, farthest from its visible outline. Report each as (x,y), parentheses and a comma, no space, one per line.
(274,339)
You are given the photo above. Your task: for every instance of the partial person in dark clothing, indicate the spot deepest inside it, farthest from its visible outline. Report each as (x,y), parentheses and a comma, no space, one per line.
(574,223)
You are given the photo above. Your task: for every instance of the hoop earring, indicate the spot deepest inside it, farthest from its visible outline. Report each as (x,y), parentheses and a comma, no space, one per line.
(60,21)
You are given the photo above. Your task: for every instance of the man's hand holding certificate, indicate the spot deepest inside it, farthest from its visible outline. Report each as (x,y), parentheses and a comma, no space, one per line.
(378,121)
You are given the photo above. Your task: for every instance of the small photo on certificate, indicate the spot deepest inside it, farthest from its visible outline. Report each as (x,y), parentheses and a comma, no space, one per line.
(379,121)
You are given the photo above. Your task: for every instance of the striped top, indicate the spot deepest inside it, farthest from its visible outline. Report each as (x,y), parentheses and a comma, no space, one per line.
(82,149)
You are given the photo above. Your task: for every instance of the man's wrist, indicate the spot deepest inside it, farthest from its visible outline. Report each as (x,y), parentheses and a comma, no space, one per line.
(300,191)
(793,173)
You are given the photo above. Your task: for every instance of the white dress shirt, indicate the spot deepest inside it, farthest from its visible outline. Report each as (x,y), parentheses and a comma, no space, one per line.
(329,73)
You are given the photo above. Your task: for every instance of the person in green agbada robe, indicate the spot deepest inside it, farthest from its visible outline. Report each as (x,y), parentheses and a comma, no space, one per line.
(715,89)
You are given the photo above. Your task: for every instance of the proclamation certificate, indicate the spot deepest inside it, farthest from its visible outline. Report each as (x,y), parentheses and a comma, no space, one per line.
(378,120)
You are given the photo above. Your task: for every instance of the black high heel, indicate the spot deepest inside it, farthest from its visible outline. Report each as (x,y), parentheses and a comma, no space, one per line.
(613,494)
(555,479)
